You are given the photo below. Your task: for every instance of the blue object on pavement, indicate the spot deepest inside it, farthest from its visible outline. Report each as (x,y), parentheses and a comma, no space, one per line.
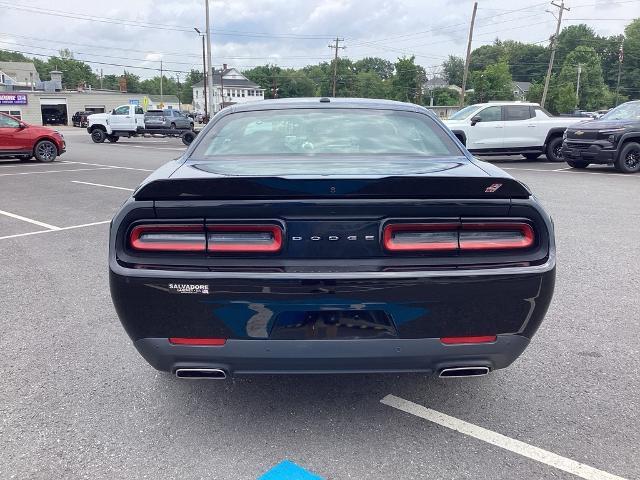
(287,470)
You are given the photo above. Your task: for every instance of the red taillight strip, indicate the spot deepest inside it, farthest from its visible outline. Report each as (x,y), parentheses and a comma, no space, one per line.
(273,245)
(468,340)
(138,243)
(393,246)
(212,342)
(525,241)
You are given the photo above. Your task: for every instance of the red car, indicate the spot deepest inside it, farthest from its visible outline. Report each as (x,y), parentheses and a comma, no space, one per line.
(21,140)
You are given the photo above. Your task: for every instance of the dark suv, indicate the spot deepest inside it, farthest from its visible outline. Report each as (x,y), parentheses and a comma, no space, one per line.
(613,139)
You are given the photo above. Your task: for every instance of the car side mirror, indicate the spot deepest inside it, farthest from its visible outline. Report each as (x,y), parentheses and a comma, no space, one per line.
(475,120)
(22,125)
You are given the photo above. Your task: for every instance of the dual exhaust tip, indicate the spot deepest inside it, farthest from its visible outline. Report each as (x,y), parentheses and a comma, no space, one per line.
(219,374)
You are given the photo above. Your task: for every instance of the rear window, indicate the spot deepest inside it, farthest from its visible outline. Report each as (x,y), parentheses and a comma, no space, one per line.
(325,132)
(154,113)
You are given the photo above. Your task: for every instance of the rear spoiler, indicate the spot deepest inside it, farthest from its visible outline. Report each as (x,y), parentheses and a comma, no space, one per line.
(228,188)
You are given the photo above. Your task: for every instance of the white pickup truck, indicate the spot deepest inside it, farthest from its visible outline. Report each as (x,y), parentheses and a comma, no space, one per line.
(128,121)
(122,121)
(510,128)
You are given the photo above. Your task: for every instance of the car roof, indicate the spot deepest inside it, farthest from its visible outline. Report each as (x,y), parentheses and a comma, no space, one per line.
(325,102)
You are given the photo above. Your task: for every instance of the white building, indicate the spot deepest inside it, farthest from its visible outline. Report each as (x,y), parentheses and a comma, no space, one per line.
(234,85)
(18,76)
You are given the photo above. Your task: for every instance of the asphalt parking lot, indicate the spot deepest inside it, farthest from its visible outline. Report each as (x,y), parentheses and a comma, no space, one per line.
(77,401)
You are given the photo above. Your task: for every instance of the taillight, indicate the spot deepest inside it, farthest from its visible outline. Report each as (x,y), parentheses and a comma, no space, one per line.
(495,236)
(211,342)
(244,238)
(168,238)
(456,237)
(468,340)
(421,237)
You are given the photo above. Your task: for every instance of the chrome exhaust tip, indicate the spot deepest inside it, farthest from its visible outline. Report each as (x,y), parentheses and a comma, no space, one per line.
(201,373)
(464,372)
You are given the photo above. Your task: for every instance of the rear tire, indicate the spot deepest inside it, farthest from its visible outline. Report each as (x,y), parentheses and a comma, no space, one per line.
(531,156)
(45,151)
(188,137)
(112,138)
(98,136)
(553,151)
(574,164)
(628,160)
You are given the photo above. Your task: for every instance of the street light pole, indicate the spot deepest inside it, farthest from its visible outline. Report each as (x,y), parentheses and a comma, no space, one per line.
(204,70)
(209,64)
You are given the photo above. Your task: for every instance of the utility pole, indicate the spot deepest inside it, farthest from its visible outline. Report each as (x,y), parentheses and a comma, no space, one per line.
(554,47)
(274,88)
(209,64)
(100,79)
(620,60)
(419,88)
(222,86)
(468,59)
(335,61)
(204,69)
(578,86)
(161,96)
(179,92)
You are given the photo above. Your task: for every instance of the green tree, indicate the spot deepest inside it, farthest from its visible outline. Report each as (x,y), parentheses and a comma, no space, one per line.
(294,83)
(442,96)
(406,79)
(453,68)
(370,85)
(630,78)
(266,76)
(492,83)
(381,67)
(74,72)
(593,92)
(186,90)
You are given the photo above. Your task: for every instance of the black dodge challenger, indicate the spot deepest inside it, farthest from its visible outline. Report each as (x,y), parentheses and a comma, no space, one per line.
(330,235)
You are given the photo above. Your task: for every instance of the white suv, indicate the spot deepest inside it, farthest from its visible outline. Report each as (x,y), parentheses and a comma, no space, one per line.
(510,128)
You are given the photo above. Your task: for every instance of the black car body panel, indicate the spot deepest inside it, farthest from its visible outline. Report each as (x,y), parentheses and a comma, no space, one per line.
(600,141)
(333,297)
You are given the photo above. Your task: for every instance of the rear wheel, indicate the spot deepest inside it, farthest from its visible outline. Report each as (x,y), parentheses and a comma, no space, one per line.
(574,164)
(113,138)
(628,160)
(553,151)
(45,151)
(98,136)
(531,156)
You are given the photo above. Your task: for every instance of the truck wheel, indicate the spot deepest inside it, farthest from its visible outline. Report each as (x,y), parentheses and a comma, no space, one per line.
(45,151)
(113,138)
(553,150)
(628,160)
(188,137)
(98,136)
(574,164)
(531,156)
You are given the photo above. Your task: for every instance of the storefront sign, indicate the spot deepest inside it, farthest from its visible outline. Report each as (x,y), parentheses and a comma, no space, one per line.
(13,99)
(134,101)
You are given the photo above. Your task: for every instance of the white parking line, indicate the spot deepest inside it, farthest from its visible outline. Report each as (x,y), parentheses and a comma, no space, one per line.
(21,164)
(54,171)
(516,446)
(113,166)
(573,171)
(58,229)
(29,220)
(101,185)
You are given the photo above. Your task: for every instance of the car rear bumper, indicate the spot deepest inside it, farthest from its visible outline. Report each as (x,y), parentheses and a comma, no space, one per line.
(592,152)
(246,310)
(238,357)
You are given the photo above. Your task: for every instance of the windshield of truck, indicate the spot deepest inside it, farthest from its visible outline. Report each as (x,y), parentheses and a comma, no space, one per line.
(626,111)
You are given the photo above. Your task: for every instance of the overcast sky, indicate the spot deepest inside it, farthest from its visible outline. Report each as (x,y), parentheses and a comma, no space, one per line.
(284,32)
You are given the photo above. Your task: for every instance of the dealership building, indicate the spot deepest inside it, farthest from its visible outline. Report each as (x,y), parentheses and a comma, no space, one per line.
(24,96)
